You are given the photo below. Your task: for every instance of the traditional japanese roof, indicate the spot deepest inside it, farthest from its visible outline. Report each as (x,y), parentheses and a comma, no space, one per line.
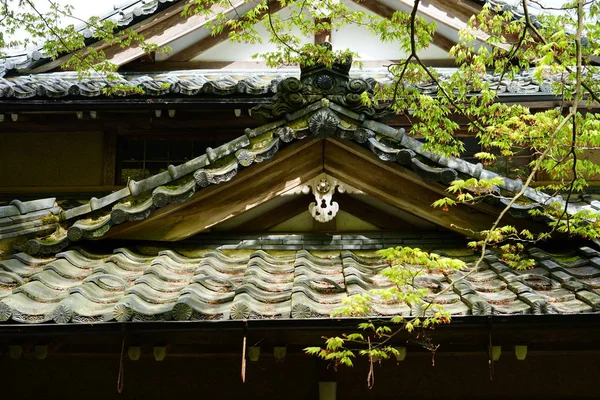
(323,104)
(54,280)
(193,83)
(78,286)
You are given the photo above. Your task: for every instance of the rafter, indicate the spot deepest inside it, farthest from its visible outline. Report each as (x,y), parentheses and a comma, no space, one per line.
(218,203)
(142,27)
(199,47)
(384,11)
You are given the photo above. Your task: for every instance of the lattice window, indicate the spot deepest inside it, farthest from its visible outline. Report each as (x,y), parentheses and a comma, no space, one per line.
(139,158)
(514,167)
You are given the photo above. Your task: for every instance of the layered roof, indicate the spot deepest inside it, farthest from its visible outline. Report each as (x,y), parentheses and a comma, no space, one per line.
(80,286)
(54,280)
(323,105)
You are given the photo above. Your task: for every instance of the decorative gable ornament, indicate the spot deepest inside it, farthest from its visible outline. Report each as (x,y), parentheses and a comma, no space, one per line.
(323,187)
(324,123)
(320,83)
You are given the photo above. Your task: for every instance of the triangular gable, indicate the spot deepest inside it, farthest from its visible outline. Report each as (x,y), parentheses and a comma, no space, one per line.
(320,127)
(290,212)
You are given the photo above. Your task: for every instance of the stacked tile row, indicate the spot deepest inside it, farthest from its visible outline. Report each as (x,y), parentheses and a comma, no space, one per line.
(194,83)
(77,286)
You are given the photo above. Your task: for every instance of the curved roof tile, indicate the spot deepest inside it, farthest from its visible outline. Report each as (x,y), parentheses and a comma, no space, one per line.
(77,286)
(222,83)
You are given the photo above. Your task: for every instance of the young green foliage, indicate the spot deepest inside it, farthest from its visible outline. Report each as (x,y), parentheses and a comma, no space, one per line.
(557,51)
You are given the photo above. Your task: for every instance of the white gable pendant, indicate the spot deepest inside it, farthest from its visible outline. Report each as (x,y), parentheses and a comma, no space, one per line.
(323,187)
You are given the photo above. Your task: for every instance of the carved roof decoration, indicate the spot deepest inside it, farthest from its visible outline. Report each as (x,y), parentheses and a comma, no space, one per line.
(324,187)
(226,83)
(78,286)
(124,15)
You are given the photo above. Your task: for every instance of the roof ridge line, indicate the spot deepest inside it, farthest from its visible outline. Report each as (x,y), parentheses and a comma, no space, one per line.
(27,58)
(320,120)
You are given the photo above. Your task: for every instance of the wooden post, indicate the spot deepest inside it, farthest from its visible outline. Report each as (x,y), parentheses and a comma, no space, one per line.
(325,34)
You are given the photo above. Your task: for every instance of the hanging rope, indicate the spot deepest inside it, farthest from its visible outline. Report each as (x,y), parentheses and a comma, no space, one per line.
(244,354)
(121,377)
(490,351)
(244,360)
(371,374)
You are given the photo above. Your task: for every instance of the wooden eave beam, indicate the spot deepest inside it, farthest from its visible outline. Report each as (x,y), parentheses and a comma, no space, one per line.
(141,27)
(384,11)
(266,221)
(404,189)
(163,66)
(217,203)
(196,49)
(454,14)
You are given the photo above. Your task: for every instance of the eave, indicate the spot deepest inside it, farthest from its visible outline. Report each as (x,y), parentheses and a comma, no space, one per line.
(201,88)
(534,101)
(542,333)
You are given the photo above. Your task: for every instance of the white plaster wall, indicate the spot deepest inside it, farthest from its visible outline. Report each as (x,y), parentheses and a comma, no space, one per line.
(232,51)
(195,36)
(362,41)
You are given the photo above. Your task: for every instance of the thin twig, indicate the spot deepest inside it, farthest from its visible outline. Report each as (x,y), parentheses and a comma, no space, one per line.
(274,31)
(532,27)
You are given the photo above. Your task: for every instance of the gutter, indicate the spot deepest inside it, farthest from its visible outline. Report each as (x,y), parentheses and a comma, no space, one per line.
(152,103)
(119,103)
(515,323)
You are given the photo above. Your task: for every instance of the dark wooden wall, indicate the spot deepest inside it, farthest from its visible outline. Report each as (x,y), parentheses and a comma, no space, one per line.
(60,159)
(43,154)
(541,376)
